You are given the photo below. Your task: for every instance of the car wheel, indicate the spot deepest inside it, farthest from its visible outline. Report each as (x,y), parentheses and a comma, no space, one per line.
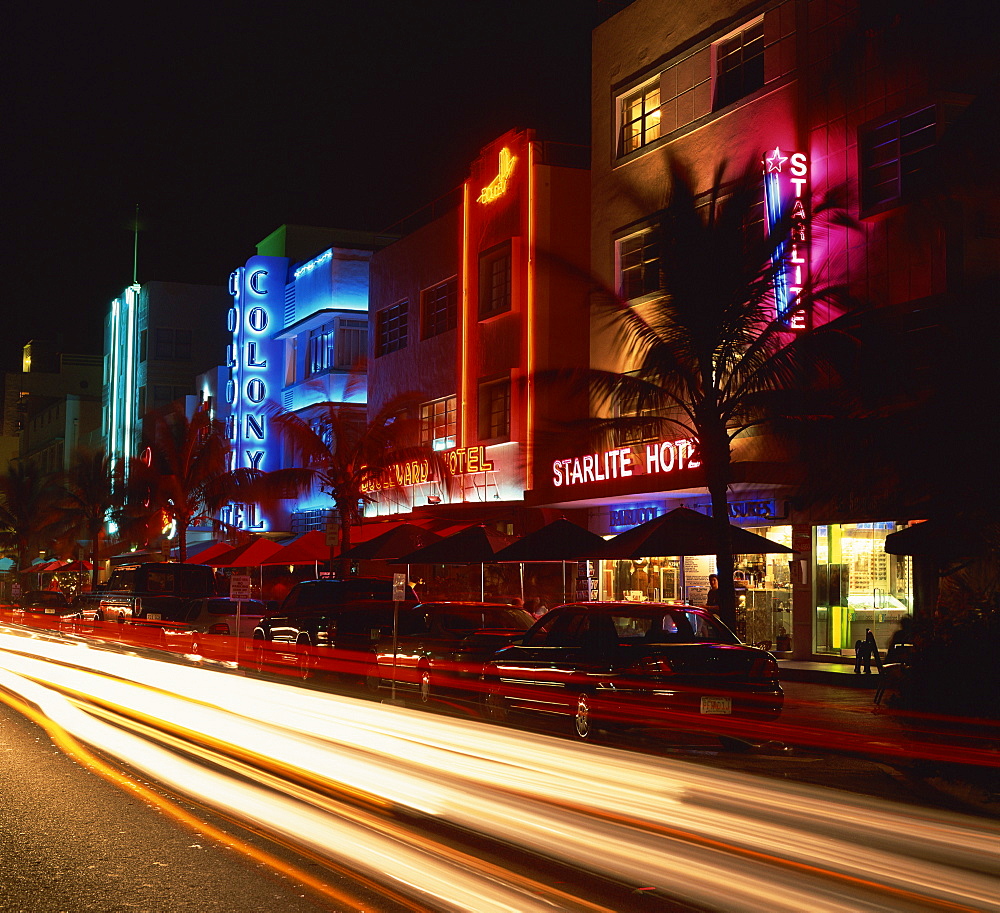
(581,718)
(373,681)
(303,661)
(425,685)
(259,663)
(494,708)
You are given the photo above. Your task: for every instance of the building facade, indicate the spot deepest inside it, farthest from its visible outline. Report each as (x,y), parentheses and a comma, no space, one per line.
(811,92)
(297,326)
(468,310)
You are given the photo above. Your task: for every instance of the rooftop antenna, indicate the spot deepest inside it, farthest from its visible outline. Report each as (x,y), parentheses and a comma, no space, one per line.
(135,248)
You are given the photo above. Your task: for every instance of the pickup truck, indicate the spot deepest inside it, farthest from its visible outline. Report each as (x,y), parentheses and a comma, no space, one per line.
(154,592)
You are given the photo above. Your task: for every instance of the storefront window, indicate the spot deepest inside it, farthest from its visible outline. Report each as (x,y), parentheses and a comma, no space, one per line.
(643,580)
(858,585)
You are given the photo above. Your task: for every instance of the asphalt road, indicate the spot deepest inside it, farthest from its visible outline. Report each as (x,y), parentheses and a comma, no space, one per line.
(70,841)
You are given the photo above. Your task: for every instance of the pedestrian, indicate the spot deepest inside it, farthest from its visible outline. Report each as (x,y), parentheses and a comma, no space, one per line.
(712,599)
(864,652)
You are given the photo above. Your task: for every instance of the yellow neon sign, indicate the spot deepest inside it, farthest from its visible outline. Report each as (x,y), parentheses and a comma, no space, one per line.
(498,186)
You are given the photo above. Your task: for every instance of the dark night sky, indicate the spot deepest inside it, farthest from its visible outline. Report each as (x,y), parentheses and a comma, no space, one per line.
(224,121)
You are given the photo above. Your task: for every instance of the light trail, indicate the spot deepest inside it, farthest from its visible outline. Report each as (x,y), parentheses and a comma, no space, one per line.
(346,779)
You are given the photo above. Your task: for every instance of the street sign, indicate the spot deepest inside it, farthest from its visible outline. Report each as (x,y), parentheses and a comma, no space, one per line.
(239,586)
(398,587)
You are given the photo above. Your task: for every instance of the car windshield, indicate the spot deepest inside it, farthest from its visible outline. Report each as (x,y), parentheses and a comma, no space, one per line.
(476,619)
(625,626)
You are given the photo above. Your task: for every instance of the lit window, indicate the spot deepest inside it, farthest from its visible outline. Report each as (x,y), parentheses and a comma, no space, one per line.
(638,265)
(437,423)
(495,281)
(739,64)
(318,357)
(439,306)
(896,154)
(640,117)
(391,325)
(494,409)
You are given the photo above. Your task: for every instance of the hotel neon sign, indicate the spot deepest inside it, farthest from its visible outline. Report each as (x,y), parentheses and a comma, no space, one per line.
(786,177)
(622,462)
(498,186)
(460,461)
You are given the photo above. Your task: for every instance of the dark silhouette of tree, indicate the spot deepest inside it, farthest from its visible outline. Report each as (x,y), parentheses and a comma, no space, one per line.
(342,453)
(710,359)
(85,499)
(25,510)
(182,478)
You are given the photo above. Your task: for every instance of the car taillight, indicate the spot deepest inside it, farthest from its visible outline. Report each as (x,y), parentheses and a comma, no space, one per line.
(219,628)
(652,665)
(764,668)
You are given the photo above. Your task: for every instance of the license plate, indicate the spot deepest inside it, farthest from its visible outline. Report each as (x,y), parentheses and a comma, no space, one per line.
(153,616)
(723,705)
(50,611)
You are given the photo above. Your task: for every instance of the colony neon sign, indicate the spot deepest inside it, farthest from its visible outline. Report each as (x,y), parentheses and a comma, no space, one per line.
(786,182)
(498,186)
(623,462)
(254,365)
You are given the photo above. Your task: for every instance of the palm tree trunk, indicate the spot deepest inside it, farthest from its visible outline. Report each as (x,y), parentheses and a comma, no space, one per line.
(345,543)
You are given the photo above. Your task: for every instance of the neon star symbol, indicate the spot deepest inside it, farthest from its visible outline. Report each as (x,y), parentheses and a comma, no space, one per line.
(775,160)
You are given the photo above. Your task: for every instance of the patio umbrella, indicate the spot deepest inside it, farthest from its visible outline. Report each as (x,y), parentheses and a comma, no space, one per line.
(945,540)
(250,555)
(683,531)
(212,550)
(309,548)
(473,545)
(76,567)
(393,543)
(561,540)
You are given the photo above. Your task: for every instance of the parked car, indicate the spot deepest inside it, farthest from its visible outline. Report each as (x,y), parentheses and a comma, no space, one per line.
(204,622)
(608,665)
(309,617)
(43,607)
(439,646)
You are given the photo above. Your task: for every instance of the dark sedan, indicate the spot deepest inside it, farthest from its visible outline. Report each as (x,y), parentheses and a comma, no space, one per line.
(45,608)
(442,646)
(609,665)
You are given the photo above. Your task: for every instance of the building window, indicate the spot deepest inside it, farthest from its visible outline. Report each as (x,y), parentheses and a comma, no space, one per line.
(495,281)
(439,307)
(318,353)
(437,423)
(739,64)
(896,154)
(494,409)
(638,264)
(171,345)
(391,325)
(640,117)
(352,345)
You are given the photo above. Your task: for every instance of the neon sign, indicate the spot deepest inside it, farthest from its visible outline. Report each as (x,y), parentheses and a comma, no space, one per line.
(324,257)
(790,258)
(254,362)
(498,186)
(460,461)
(627,517)
(622,462)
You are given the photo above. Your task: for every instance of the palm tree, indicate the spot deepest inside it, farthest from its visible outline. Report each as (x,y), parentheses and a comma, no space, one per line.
(183,476)
(25,510)
(339,452)
(86,498)
(709,357)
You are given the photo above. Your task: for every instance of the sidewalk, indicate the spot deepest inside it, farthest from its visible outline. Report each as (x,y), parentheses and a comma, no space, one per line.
(834,672)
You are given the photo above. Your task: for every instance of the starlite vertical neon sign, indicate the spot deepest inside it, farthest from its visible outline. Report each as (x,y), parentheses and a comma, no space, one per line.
(498,186)
(786,183)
